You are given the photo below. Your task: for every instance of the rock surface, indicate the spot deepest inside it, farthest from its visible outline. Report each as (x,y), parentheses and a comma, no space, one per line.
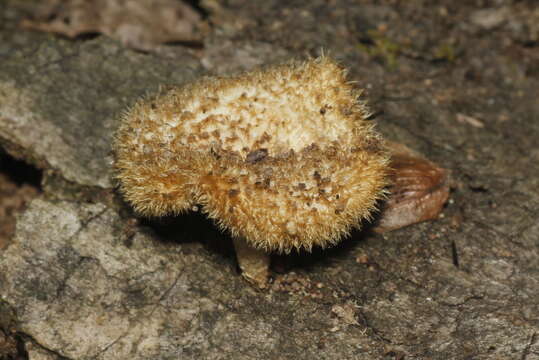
(119,297)
(57,111)
(79,281)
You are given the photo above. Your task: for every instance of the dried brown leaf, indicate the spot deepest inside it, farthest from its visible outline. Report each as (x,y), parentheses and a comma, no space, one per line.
(139,24)
(418,193)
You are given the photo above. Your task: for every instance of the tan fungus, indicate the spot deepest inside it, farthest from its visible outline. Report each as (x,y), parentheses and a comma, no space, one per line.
(282,157)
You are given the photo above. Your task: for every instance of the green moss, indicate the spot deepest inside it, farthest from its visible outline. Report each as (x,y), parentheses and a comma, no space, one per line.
(445,51)
(382,47)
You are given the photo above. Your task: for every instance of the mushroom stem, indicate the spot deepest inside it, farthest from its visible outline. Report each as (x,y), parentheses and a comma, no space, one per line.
(254,263)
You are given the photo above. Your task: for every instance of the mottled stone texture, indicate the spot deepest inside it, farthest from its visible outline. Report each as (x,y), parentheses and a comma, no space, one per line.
(60,100)
(79,281)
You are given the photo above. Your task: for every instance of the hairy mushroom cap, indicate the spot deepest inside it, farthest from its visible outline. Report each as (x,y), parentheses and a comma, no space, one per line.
(281,156)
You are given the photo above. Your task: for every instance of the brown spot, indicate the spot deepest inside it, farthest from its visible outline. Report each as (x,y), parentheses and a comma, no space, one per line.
(372,145)
(324,109)
(215,153)
(231,139)
(264,184)
(312,147)
(213,100)
(154,106)
(265,137)
(233,192)
(316,176)
(301,186)
(216,133)
(346,111)
(340,208)
(267,172)
(186,116)
(256,156)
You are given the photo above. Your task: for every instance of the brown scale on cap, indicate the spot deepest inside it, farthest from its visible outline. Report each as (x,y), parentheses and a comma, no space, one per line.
(281,157)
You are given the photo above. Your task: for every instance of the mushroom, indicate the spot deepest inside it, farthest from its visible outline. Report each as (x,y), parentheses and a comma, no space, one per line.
(418,190)
(282,158)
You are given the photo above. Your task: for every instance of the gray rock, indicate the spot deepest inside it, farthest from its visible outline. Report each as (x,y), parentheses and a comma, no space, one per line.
(59,106)
(82,290)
